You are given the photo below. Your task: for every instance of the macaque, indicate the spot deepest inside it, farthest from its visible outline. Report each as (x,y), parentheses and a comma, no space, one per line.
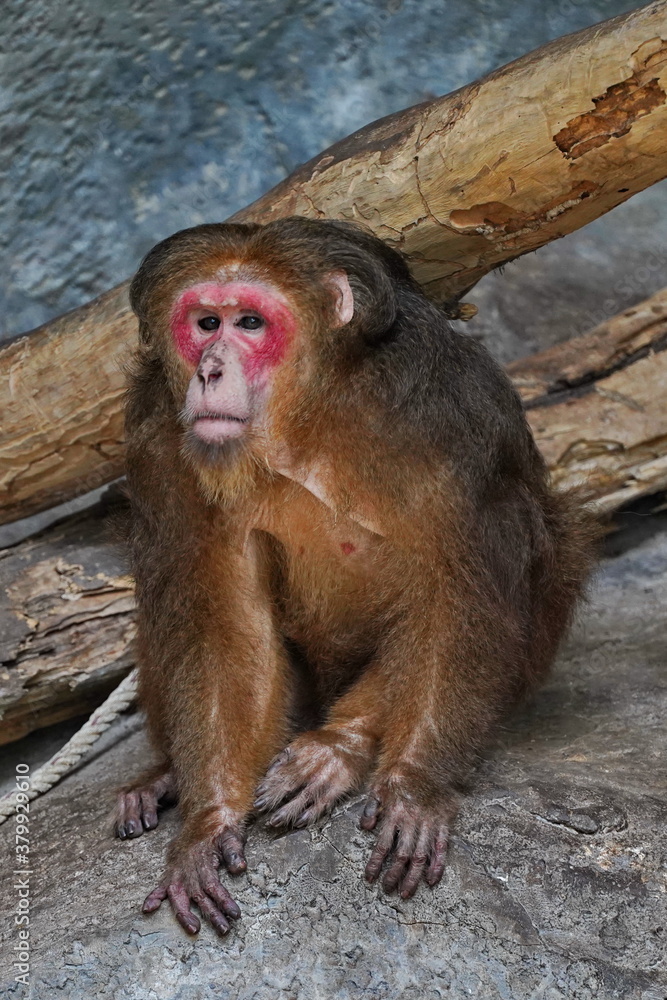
(349,562)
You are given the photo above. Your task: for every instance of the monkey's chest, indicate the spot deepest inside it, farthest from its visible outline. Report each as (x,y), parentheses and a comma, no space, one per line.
(333,581)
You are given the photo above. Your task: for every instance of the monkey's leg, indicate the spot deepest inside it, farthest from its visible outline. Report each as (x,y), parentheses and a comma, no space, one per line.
(320,767)
(137,803)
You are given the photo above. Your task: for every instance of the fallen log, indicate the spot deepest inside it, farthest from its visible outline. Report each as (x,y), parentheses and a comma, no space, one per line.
(66,624)
(531,152)
(66,601)
(597,405)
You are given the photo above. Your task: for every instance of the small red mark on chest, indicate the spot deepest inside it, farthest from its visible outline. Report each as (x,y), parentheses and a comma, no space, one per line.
(347,548)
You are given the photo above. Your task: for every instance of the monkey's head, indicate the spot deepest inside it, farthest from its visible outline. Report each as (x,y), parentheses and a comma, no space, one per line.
(242,314)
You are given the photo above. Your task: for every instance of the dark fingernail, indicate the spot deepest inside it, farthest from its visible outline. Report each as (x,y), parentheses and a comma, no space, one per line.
(371,807)
(260,802)
(150,821)
(122,832)
(130,828)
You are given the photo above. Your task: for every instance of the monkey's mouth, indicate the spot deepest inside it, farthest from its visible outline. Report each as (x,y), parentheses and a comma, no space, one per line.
(214,415)
(211,425)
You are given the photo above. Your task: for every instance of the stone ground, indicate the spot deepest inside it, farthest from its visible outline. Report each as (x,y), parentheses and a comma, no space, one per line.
(556,886)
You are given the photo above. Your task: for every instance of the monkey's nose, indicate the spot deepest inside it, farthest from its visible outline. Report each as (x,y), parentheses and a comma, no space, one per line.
(209,372)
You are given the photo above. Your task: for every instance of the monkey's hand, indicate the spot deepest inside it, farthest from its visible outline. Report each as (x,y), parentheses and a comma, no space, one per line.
(192,877)
(312,774)
(414,837)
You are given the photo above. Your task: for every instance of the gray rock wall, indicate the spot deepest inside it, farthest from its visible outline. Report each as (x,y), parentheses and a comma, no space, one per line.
(123,122)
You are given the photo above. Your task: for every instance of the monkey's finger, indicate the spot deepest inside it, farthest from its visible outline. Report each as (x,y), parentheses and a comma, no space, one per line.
(180,904)
(436,866)
(401,858)
(418,863)
(232,849)
(270,799)
(153,900)
(222,898)
(213,915)
(382,848)
(148,810)
(369,817)
(209,881)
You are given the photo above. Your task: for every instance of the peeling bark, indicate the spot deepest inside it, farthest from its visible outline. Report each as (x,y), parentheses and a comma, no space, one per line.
(619,107)
(66,625)
(596,405)
(460,185)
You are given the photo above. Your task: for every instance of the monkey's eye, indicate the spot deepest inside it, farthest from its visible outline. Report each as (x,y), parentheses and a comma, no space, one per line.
(208,323)
(251,322)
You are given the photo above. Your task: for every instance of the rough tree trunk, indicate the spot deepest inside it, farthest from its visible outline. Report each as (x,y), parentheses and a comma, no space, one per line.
(532,152)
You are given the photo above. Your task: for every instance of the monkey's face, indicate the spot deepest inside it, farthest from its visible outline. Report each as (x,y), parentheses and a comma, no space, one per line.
(233,335)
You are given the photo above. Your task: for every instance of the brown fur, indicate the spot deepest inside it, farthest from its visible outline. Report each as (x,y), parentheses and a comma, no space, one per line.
(425,597)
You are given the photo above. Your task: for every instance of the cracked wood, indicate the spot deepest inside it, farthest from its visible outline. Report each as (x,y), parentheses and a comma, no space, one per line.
(66,625)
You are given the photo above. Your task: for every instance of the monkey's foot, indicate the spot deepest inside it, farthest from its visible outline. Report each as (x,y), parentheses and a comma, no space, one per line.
(137,806)
(310,776)
(192,877)
(413,837)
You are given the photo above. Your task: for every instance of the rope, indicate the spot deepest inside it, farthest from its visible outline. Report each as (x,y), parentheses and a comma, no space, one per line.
(66,759)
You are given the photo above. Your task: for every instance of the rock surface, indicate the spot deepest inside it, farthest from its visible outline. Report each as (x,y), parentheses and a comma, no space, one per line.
(556,887)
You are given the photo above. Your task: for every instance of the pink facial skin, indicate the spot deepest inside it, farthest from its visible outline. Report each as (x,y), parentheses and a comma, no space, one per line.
(210,298)
(232,364)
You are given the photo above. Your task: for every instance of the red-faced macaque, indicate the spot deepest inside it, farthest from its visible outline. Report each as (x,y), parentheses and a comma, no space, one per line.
(337,510)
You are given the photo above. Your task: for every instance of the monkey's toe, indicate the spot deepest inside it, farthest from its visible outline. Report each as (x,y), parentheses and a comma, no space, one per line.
(128,822)
(305,781)
(137,808)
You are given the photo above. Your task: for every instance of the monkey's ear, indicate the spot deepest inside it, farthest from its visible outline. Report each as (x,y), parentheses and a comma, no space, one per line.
(340,284)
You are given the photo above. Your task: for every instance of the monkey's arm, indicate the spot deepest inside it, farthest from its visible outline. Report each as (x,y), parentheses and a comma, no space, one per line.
(212,670)
(450,665)
(221,695)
